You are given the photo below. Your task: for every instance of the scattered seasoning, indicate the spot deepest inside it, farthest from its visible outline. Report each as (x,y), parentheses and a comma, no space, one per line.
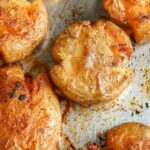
(147,105)
(146,81)
(22,97)
(132,114)
(133,48)
(137,112)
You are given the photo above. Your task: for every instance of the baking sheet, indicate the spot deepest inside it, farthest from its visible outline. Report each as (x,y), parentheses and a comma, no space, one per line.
(81,125)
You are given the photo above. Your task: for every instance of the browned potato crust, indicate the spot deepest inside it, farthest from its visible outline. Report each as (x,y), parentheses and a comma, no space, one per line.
(135,13)
(29,112)
(23,26)
(116,10)
(91,62)
(128,136)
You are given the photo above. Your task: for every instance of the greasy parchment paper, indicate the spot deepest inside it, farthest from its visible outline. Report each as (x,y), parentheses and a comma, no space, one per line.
(81,125)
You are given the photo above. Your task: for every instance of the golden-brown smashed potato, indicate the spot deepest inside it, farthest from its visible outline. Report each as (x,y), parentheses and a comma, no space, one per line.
(23,25)
(128,136)
(90,62)
(29,112)
(134,13)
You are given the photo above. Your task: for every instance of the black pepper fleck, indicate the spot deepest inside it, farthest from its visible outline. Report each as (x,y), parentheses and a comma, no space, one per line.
(137,112)
(147,105)
(132,114)
(142,84)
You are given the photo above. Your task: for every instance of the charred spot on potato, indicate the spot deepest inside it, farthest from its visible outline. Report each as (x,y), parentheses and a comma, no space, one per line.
(22,97)
(12,93)
(17,85)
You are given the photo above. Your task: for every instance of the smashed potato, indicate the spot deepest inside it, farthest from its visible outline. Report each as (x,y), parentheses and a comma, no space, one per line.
(23,25)
(29,112)
(133,13)
(128,136)
(91,61)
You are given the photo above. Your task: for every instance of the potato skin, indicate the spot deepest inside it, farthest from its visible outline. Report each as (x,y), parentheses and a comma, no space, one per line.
(29,112)
(93,147)
(90,62)
(135,14)
(128,136)
(23,25)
